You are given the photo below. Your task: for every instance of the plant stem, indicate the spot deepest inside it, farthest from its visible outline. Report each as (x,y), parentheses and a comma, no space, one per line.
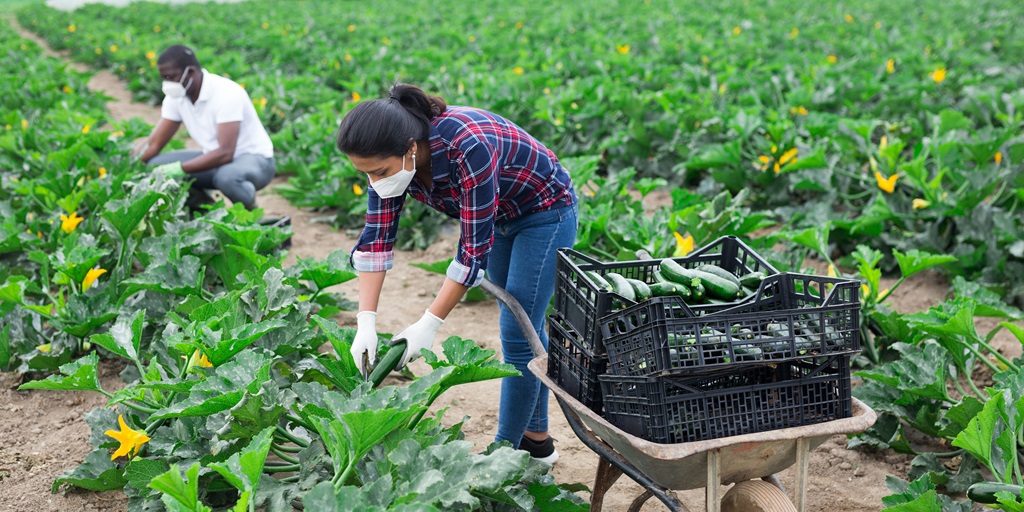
(1009,364)
(891,289)
(291,437)
(948,455)
(287,448)
(980,395)
(285,457)
(299,421)
(291,468)
(289,479)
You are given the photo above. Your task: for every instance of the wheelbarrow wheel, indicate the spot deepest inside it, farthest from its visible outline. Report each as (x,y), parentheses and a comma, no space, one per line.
(756,496)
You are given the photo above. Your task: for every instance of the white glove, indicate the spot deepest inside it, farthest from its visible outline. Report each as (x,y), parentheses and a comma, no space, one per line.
(365,340)
(418,336)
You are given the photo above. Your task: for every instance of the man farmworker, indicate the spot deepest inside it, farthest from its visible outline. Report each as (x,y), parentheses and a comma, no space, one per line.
(237,156)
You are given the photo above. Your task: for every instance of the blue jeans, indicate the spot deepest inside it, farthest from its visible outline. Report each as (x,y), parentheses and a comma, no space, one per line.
(238,180)
(522,261)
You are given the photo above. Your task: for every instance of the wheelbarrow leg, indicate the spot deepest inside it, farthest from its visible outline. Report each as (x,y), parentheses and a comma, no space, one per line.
(803,454)
(603,480)
(712,500)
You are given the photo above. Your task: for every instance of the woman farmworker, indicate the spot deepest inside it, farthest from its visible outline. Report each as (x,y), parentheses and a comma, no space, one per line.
(515,204)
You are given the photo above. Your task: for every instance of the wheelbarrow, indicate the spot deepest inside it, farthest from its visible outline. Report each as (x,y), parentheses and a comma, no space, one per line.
(750,460)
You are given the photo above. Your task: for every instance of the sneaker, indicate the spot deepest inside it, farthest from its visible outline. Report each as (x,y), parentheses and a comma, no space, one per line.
(543,451)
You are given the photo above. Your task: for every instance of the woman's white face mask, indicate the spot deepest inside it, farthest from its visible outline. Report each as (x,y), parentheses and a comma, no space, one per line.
(176,89)
(396,184)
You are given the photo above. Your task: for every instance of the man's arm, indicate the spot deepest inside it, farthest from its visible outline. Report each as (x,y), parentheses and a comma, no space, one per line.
(227,138)
(161,135)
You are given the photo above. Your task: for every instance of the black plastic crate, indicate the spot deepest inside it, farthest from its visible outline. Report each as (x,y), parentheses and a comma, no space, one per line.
(672,409)
(791,316)
(572,366)
(581,303)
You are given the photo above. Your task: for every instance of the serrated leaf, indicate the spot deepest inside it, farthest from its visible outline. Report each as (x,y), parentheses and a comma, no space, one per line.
(331,271)
(977,437)
(243,469)
(960,415)
(920,371)
(470,363)
(225,349)
(815,239)
(915,261)
(180,494)
(124,337)
(78,375)
(989,303)
(125,215)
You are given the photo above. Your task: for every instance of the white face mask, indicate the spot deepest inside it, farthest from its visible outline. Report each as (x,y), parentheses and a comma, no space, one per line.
(396,184)
(175,89)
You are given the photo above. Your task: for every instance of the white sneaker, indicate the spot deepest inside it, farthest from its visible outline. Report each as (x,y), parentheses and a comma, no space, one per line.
(543,451)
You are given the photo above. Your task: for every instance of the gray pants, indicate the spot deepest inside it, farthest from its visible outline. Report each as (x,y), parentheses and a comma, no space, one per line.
(238,180)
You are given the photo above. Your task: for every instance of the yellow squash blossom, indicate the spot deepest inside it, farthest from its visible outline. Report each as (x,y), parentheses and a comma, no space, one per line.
(113,48)
(151,55)
(356,189)
(794,33)
(832,59)
(939,75)
(44,348)
(998,157)
(103,172)
(198,359)
(890,66)
(131,440)
(799,110)
(68,224)
(764,161)
(72,28)
(518,70)
(356,96)
(787,156)
(622,48)
(91,276)
(24,124)
(848,18)
(883,143)
(684,245)
(864,290)
(351,28)
(156,28)
(888,185)
(85,129)
(832,271)
(920,204)
(66,89)
(737,31)
(265,25)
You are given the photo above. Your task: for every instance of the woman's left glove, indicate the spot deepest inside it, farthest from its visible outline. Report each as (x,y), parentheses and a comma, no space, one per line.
(418,336)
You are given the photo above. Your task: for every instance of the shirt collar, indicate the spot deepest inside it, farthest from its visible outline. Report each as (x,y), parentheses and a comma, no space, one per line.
(205,92)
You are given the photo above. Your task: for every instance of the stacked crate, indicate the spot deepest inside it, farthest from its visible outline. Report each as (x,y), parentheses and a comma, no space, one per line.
(671,371)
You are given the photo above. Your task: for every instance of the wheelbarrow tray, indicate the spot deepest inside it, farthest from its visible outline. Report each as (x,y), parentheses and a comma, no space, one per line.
(684,466)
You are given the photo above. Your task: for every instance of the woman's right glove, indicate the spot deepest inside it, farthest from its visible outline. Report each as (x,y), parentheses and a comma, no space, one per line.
(365,340)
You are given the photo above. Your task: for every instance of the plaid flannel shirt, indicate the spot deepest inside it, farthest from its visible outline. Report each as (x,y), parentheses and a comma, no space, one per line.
(485,170)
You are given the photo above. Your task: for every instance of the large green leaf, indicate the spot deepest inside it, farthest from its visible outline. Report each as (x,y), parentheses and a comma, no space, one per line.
(915,261)
(140,472)
(243,469)
(330,271)
(989,303)
(235,342)
(470,363)
(96,473)
(78,375)
(124,337)
(180,494)
(222,390)
(919,372)
(125,215)
(977,438)
(178,277)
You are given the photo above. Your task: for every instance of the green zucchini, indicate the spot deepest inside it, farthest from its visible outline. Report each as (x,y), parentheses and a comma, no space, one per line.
(752,280)
(675,272)
(698,290)
(601,282)
(640,288)
(715,286)
(620,285)
(668,289)
(985,492)
(720,272)
(387,363)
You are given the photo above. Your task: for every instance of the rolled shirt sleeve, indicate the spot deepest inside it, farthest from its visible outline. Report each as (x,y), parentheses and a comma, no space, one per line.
(375,249)
(478,182)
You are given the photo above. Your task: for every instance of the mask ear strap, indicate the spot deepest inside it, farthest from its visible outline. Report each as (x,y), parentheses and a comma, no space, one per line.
(190,80)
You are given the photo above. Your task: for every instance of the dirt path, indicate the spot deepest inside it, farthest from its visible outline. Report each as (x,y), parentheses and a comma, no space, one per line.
(43,433)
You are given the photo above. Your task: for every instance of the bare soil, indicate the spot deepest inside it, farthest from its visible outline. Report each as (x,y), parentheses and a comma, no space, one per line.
(43,433)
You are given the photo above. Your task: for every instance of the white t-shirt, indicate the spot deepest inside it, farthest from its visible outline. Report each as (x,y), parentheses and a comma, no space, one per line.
(221,100)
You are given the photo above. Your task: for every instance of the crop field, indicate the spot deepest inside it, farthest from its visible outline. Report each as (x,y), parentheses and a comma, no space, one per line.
(199,364)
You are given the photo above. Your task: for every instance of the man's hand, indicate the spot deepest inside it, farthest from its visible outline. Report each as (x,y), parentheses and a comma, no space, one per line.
(419,335)
(365,340)
(172,170)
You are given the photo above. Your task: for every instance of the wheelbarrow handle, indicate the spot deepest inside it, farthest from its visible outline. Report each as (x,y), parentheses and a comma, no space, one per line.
(519,313)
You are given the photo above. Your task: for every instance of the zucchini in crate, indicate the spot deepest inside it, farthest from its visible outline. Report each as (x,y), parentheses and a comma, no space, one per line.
(640,288)
(599,280)
(668,289)
(620,286)
(716,286)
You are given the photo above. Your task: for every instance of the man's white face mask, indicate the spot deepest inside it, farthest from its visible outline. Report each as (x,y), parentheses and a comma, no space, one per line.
(176,89)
